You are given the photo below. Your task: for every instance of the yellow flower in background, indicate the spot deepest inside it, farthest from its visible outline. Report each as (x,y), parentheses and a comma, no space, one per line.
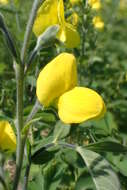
(80,104)
(50,13)
(98,22)
(4,2)
(123,4)
(57,82)
(74,2)
(7,138)
(73,19)
(95,4)
(57,77)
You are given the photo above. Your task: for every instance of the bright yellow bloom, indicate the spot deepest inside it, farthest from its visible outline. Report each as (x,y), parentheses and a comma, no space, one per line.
(7,138)
(50,13)
(80,104)
(98,22)
(4,2)
(57,83)
(95,4)
(74,2)
(57,77)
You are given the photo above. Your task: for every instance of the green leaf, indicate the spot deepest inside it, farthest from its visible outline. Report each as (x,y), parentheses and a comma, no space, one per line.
(61,130)
(72,158)
(8,37)
(85,182)
(107,146)
(101,172)
(119,161)
(47,37)
(106,125)
(44,152)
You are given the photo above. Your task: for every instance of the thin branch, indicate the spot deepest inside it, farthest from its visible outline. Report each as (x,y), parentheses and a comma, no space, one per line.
(29,27)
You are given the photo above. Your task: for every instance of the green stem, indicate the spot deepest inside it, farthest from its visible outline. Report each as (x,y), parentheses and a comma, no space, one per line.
(19,122)
(3,183)
(26,177)
(27,172)
(29,27)
(20,79)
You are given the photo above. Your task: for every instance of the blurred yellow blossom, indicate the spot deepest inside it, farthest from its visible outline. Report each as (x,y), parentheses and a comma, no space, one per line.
(123,4)
(74,2)
(57,82)
(4,2)
(8,138)
(50,13)
(98,22)
(73,19)
(95,4)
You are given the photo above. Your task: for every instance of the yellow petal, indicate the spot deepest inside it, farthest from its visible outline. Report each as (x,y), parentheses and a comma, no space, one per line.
(57,77)
(50,13)
(98,22)
(4,2)
(72,36)
(95,4)
(80,104)
(61,12)
(73,19)
(74,2)
(47,15)
(8,138)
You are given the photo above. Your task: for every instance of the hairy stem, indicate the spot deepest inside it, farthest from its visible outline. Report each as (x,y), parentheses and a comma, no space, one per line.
(29,27)
(19,123)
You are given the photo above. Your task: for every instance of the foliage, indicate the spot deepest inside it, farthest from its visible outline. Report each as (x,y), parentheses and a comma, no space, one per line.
(69,156)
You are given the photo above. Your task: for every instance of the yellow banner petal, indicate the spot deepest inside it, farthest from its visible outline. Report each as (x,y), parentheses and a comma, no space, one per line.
(8,138)
(47,15)
(57,77)
(80,104)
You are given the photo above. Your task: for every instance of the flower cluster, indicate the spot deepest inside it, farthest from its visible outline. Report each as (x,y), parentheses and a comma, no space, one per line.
(97,20)
(57,85)
(51,13)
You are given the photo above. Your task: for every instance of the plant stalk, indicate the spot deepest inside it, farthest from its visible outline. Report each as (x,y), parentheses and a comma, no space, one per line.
(19,123)
(29,27)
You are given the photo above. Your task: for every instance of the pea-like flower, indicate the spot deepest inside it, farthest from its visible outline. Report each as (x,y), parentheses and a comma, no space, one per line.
(57,82)
(98,22)
(51,13)
(8,138)
(95,4)
(80,104)
(57,77)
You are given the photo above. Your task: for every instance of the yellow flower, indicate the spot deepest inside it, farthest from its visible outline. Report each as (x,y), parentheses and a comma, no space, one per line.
(95,4)
(8,138)
(4,2)
(58,81)
(98,22)
(50,13)
(74,2)
(80,104)
(123,4)
(57,77)
(73,19)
